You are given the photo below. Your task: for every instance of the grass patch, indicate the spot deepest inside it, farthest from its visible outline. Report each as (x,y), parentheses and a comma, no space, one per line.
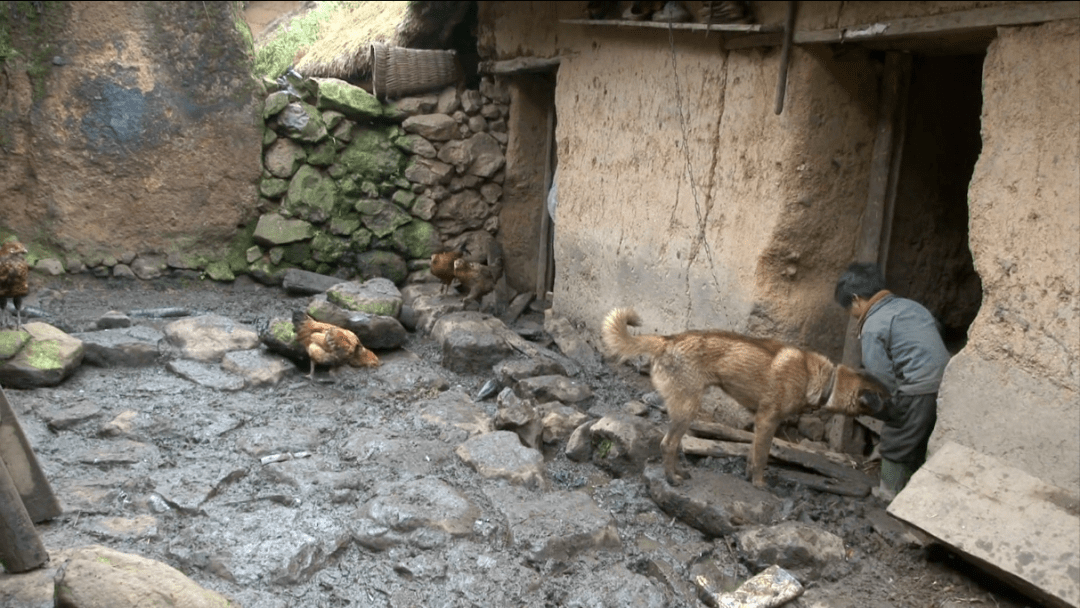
(276,54)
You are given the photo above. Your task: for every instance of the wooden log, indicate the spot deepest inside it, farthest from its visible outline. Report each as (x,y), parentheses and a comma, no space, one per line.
(20,546)
(715,430)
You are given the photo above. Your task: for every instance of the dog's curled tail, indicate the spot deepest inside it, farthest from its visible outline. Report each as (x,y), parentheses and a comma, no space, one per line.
(620,343)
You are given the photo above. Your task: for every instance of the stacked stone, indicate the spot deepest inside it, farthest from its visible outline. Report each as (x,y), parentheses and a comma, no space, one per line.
(357,189)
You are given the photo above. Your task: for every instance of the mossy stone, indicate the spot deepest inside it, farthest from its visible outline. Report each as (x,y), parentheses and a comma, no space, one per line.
(417,240)
(371,155)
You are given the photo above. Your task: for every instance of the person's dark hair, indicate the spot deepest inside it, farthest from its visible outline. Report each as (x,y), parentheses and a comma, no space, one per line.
(861,279)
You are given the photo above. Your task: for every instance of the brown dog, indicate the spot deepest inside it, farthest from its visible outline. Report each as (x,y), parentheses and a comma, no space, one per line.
(767,377)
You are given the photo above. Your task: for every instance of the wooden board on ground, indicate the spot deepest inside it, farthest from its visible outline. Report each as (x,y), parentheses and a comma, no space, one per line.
(1015,526)
(849,482)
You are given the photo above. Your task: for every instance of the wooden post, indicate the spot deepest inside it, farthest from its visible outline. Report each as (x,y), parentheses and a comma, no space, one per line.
(543,264)
(785,55)
(884,171)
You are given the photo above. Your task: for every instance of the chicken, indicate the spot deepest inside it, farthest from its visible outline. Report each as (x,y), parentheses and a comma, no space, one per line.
(477,278)
(442,266)
(330,345)
(13,279)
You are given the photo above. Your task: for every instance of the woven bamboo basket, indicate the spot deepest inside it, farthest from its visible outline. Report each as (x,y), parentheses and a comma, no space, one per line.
(397,71)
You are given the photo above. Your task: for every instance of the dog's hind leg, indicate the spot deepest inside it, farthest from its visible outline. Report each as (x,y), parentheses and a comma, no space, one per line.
(682,408)
(765,426)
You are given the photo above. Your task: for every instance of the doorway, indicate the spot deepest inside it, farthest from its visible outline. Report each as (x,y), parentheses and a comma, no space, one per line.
(924,249)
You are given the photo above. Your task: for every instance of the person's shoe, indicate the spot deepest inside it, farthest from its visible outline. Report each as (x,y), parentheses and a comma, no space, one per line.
(884,494)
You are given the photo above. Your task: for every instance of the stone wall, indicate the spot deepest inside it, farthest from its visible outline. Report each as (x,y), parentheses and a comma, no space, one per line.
(358,189)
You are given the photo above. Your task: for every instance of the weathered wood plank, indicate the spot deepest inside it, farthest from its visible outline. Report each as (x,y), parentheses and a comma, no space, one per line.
(959,22)
(824,484)
(1010,523)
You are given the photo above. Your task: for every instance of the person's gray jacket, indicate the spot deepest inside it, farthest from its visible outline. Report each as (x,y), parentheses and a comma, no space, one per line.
(902,347)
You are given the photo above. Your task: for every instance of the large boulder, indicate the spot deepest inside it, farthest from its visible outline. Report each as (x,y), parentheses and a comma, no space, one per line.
(99,576)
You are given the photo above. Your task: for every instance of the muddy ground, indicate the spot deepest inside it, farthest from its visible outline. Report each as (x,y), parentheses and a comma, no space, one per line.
(185,426)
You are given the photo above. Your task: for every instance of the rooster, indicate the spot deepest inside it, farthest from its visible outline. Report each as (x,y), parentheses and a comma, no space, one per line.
(330,345)
(13,279)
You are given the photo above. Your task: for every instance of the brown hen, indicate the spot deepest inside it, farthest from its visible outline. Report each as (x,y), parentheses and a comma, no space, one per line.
(477,278)
(442,265)
(330,345)
(13,279)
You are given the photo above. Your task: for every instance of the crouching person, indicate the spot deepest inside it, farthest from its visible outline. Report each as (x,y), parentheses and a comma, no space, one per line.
(903,349)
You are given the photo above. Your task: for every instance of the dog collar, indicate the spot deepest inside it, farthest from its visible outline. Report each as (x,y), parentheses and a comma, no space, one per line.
(832,386)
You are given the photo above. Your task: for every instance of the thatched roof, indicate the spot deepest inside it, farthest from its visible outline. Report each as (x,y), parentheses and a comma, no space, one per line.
(342,50)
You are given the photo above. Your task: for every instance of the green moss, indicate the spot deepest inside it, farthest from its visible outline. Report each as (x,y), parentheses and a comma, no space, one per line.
(236,258)
(44,354)
(11,342)
(296,253)
(283,331)
(220,271)
(372,156)
(327,248)
(28,31)
(603,448)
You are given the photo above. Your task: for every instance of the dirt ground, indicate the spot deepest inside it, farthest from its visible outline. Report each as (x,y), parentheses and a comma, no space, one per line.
(191,426)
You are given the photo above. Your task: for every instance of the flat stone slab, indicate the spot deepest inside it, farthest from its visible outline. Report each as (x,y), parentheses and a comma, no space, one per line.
(1004,520)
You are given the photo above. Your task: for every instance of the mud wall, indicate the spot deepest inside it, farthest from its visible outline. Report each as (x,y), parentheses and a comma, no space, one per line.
(142,137)
(1012,392)
(681,192)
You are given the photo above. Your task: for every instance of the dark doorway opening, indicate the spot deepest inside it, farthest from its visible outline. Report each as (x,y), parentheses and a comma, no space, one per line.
(926,253)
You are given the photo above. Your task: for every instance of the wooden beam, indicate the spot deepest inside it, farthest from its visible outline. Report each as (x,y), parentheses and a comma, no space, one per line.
(959,22)
(727,28)
(520,65)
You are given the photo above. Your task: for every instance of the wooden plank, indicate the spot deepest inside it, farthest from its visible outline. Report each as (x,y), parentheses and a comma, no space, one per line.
(1010,523)
(959,22)
(20,546)
(27,475)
